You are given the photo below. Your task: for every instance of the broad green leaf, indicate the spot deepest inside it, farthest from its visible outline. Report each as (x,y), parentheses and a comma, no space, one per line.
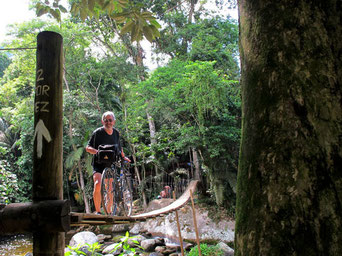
(134,32)
(127,27)
(62,9)
(119,19)
(148,33)
(123,2)
(155,23)
(43,10)
(56,14)
(155,31)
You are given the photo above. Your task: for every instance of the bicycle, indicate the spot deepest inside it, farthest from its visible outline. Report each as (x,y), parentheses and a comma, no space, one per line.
(116,189)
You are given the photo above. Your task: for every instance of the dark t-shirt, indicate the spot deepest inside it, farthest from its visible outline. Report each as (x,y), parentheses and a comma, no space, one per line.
(101,137)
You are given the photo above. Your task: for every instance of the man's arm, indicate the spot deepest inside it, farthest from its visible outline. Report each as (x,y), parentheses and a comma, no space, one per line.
(123,156)
(91,150)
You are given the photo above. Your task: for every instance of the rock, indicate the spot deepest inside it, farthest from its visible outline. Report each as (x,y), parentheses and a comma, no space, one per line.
(158,204)
(136,229)
(120,228)
(172,249)
(156,254)
(227,250)
(188,246)
(209,230)
(102,237)
(160,249)
(148,244)
(83,238)
(138,238)
(159,241)
(111,249)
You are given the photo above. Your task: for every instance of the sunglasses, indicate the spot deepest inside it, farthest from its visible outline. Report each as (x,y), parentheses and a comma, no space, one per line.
(107,120)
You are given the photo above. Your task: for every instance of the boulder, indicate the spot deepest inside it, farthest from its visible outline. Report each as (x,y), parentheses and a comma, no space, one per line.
(83,238)
(160,249)
(111,249)
(120,228)
(148,245)
(138,238)
(208,229)
(102,237)
(226,249)
(158,204)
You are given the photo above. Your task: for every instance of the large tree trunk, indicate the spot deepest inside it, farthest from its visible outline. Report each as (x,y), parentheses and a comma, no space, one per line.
(289,180)
(197,174)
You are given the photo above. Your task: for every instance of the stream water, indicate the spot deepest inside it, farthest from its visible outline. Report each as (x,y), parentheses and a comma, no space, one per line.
(18,245)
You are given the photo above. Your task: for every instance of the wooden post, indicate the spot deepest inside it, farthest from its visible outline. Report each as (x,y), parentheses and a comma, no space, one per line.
(178,226)
(50,215)
(47,157)
(195,223)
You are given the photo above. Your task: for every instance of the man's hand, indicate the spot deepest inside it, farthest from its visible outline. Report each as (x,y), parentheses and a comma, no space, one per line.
(91,150)
(127,159)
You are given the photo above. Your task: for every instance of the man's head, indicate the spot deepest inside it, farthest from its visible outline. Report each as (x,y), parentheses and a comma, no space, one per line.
(108,119)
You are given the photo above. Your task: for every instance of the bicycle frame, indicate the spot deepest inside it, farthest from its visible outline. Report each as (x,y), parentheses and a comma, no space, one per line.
(117,191)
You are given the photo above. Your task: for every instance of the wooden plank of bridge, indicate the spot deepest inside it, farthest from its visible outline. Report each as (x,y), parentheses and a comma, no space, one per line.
(48,113)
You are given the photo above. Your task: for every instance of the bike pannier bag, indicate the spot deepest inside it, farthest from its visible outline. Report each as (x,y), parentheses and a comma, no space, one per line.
(107,154)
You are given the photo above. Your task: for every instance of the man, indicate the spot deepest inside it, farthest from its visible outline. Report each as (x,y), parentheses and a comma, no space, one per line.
(105,135)
(166,193)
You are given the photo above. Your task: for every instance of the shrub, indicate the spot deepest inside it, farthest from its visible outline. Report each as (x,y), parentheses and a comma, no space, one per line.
(206,250)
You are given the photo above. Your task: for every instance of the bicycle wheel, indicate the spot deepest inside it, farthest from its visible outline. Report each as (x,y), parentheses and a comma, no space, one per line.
(127,196)
(108,191)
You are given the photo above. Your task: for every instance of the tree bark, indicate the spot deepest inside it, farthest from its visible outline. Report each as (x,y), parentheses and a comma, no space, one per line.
(197,174)
(289,188)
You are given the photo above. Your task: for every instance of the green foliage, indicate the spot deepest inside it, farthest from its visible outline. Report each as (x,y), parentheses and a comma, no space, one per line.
(91,248)
(94,248)
(75,249)
(194,100)
(193,106)
(8,184)
(197,36)
(206,250)
(134,19)
(125,245)
(4,63)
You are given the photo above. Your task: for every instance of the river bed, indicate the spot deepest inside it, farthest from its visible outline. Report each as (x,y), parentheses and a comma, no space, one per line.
(17,245)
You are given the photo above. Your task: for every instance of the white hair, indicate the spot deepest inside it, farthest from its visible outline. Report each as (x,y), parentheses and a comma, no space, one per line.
(108,113)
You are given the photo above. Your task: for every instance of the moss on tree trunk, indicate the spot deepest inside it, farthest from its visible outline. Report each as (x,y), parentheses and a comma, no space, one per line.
(289,190)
